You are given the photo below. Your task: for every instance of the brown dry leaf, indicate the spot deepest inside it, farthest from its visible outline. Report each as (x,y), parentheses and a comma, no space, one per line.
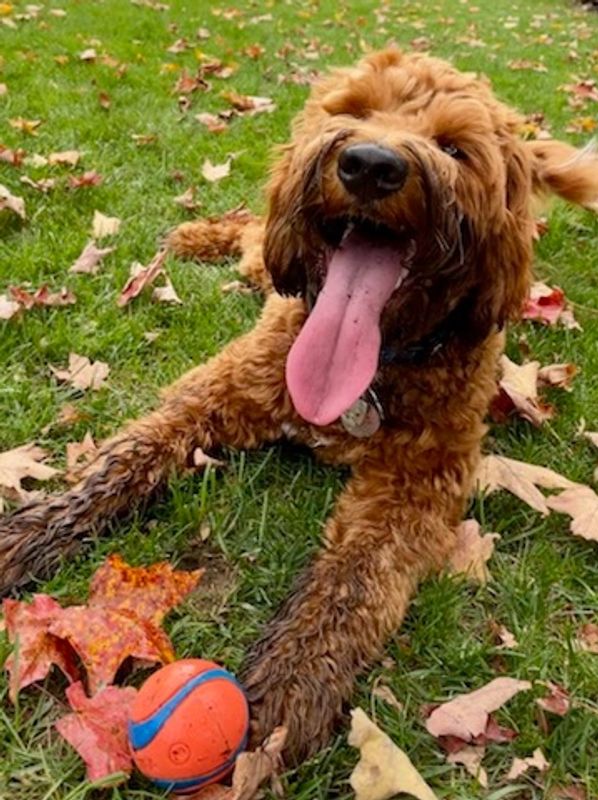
(44,185)
(557,701)
(592,436)
(466,716)
(12,157)
(42,297)
(12,202)
(78,455)
(104,226)
(581,504)
(3,89)
(571,792)
(383,769)
(69,158)
(518,392)
(249,105)
(201,459)
(28,126)
(212,122)
(471,758)
(384,692)
(88,178)
(90,54)
(521,479)
(104,100)
(587,637)
(186,200)
(82,374)
(215,172)
(503,636)
(141,276)
(472,551)
(557,375)
(179,46)
(8,307)
(548,304)
(522,765)
(88,262)
(166,294)
(23,462)
(69,414)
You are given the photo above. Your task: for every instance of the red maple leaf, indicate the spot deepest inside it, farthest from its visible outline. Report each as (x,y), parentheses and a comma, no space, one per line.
(98,729)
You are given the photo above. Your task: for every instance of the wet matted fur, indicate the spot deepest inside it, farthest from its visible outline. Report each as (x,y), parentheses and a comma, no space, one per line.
(454,226)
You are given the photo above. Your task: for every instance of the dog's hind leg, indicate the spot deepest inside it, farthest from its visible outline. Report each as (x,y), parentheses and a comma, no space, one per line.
(237,233)
(237,399)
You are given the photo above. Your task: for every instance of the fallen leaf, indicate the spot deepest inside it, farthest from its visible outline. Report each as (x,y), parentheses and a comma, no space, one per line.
(36,650)
(88,178)
(521,479)
(466,716)
(89,261)
(187,84)
(587,637)
(251,770)
(68,158)
(581,504)
(23,462)
(13,157)
(547,304)
(186,200)
(215,172)
(503,636)
(166,294)
(522,765)
(592,436)
(3,89)
(44,185)
(237,287)
(89,54)
(12,202)
(212,122)
(82,374)
(383,769)
(97,729)
(518,392)
(78,455)
(104,100)
(142,139)
(69,414)
(557,701)
(249,105)
(28,126)
(104,226)
(472,551)
(201,459)
(571,792)
(141,277)
(557,375)
(148,592)
(384,692)
(179,46)
(471,758)
(42,297)
(8,307)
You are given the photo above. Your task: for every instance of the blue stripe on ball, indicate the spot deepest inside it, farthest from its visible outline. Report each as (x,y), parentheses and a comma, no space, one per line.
(143,732)
(200,780)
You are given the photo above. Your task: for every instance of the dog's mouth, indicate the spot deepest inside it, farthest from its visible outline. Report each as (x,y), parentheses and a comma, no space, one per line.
(335,357)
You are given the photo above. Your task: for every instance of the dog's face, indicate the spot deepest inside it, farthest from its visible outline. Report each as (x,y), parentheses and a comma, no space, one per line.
(403,196)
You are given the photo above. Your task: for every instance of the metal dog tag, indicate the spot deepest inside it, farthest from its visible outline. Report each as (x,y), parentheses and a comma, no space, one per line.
(362,420)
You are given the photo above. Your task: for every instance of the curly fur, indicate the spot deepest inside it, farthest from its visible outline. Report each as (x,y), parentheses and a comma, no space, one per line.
(470,222)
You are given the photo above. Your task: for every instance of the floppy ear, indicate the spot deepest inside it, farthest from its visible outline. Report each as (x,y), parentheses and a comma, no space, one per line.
(562,169)
(505,255)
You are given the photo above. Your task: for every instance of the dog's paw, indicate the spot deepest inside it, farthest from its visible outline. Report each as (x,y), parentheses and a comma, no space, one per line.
(291,687)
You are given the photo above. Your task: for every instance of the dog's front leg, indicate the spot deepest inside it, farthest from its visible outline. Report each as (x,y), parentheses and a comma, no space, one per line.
(381,541)
(237,399)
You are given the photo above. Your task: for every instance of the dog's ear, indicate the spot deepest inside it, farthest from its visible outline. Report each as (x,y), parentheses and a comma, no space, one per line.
(505,255)
(562,169)
(280,245)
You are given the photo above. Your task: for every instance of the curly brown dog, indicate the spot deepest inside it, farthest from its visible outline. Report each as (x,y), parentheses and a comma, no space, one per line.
(399,241)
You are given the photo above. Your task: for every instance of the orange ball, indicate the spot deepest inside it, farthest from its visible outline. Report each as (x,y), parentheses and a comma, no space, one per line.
(188,724)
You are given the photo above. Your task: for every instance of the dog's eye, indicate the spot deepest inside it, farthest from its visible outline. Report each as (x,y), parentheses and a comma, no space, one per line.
(453,151)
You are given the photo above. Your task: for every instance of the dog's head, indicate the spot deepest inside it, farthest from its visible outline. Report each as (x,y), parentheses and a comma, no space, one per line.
(402,200)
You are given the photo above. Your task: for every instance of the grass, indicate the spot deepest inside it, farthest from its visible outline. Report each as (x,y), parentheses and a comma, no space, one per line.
(266,510)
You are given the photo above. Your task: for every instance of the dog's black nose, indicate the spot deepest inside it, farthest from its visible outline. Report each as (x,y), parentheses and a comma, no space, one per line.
(370,171)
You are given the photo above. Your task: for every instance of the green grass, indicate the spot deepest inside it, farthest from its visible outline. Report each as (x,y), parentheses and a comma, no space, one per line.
(266,510)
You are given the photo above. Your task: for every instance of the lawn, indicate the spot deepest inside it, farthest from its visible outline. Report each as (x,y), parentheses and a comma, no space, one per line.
(265,511)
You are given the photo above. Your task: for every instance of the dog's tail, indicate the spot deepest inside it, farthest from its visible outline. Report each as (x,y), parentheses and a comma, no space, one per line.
(128,468)
(566,171)
(212,239)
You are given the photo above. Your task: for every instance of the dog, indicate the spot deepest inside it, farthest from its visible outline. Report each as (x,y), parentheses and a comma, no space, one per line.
(396,246)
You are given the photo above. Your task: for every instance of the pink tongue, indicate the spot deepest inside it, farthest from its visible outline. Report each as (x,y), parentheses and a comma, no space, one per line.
(335,357)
